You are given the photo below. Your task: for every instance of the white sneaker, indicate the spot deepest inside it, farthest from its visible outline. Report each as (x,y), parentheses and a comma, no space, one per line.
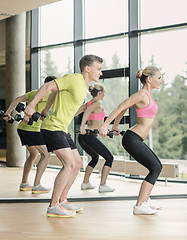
(106,188)
(66,205)
(144,209)
(153,204)
(58,211)
(85,186)
(25,187)
(40,189)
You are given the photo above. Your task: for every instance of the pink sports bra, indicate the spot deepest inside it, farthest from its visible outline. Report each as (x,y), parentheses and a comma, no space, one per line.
(150,110)
(96,116)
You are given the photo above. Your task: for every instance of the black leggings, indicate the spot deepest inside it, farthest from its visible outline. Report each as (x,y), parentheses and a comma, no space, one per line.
(135,146)
(94,147)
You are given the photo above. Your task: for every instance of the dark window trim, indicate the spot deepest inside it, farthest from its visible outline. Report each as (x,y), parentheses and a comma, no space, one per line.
(130,33)
(113,73)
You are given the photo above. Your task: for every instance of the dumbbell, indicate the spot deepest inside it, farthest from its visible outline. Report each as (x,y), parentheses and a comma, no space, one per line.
(18,118)
(121,133)
(2,115)
(21,107)
(110,134)
(96,131)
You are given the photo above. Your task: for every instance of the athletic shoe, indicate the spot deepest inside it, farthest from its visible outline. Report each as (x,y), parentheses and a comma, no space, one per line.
(65,204)
(85,186)
(153,204)
(106,188)
(40,189)
(58,211)
(25,187)
(144,209)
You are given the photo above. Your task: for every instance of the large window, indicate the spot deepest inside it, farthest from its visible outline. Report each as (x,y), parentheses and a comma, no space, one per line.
(116,91)
(163,44)
(56,23)
(117,57)
(167,50)
(105,17)
(56,61)
(155,13)
(113,29)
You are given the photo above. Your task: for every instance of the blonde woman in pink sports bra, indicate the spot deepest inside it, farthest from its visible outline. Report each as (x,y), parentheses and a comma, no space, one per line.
(133,139)
(94,115)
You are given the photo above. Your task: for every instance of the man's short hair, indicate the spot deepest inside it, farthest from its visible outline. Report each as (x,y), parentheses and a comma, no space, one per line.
(49,78)
(87,60)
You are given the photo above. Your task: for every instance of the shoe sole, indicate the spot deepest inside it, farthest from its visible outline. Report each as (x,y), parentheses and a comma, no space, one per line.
(87,188)
(158,208)
(77,210)
(60,216)
(145,213)
(105,191)
(35,192)
(25,189)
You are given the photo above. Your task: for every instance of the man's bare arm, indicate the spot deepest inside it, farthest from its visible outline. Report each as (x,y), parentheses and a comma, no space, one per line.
(44,90)
(49,103)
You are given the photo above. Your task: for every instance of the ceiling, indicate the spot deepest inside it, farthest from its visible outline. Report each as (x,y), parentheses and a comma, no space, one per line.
(10,8)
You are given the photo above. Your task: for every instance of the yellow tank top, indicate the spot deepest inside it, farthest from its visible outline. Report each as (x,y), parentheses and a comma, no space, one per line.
(70,96)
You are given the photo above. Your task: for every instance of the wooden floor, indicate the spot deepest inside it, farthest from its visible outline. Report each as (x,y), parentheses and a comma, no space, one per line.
(100,220)
(10,179)
(110,220)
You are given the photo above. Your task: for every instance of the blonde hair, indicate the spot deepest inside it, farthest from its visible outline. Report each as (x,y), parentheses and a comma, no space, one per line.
(94,89)
(142,74)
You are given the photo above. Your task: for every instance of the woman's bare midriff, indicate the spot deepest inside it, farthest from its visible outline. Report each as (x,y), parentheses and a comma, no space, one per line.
(142,127)
(94,124)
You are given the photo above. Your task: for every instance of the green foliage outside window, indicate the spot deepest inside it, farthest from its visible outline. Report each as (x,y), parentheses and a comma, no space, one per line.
(170,125)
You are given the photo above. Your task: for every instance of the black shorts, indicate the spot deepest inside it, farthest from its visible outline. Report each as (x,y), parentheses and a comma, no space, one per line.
(30,138)
(57,140)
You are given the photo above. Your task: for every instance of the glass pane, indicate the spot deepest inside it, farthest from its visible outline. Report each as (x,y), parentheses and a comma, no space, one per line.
(156,13)
(57,22)
(116,91)
(105,17)
(113,98)
(117,57)
(57,61)
(167,50)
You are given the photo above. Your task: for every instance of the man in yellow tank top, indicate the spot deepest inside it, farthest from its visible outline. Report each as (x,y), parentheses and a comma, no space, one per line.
(32,138)
(68,94)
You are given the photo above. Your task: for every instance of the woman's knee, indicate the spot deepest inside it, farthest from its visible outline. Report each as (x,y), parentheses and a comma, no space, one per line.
(109,161)
(94,161)
(154,174)
(159,169)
